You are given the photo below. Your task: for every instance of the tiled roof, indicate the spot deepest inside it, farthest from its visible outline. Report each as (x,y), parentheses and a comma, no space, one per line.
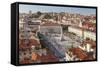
(31,42)
(87,23)
(25,61)
(91,42)
(49,57)
(79,53)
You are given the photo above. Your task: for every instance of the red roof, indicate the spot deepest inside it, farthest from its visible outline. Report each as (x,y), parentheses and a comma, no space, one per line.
(79,53)
(30,42)
(91,42)
(25,61)
(34,42)
(86,23)
(49,57)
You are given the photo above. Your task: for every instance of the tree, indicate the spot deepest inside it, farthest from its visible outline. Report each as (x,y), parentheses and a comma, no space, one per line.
(39,13)
(47,16)
(55,18)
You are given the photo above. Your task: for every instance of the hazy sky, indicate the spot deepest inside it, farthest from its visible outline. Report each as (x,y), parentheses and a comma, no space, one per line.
(34,8)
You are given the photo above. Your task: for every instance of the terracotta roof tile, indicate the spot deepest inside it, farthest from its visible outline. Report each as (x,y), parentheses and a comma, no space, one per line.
(79,53)
(31,42)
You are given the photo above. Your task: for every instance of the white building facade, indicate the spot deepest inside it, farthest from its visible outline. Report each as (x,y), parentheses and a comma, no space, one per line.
(78,32)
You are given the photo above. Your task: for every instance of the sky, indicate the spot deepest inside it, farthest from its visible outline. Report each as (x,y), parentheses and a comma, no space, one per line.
(34,8)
